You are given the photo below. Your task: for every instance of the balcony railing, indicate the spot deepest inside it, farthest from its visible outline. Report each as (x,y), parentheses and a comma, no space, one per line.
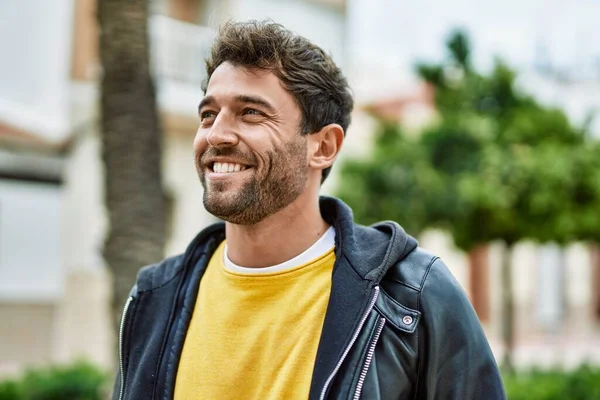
(179,49)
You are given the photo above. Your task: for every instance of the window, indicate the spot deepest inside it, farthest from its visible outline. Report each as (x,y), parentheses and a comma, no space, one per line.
(30,246)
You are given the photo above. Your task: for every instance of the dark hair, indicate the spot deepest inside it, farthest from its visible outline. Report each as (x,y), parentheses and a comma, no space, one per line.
(306,71)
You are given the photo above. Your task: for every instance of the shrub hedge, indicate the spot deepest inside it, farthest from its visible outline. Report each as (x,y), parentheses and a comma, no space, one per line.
(582,383)
(84,381)
(78,381)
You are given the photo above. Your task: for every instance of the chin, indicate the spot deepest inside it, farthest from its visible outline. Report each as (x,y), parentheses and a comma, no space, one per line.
(224,205)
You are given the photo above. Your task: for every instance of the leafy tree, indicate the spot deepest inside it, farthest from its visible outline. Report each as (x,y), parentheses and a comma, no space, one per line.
(392,183)
(497,165)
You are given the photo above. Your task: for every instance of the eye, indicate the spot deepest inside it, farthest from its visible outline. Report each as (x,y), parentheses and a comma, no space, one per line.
(252,111)
(207,114)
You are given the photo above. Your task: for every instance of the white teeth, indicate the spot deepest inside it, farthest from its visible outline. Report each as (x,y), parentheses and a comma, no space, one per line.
(223,167)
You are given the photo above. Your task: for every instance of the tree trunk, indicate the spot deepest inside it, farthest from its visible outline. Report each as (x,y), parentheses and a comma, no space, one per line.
(508,316)
(131,140)
(479,281)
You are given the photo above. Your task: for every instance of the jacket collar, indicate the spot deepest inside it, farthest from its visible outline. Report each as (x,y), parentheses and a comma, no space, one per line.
(370,251)
(363,256)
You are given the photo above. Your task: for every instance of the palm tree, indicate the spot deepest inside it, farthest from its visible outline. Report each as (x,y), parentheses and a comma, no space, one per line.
(131,140)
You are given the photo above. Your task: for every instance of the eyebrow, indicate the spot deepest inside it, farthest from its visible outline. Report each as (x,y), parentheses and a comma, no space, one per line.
(256,100)
(207,100)
(242,98)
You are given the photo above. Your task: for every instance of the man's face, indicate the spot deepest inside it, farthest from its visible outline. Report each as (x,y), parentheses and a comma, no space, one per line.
(250,156)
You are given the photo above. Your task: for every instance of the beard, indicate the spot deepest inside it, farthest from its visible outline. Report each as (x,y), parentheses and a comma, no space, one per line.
(259,196)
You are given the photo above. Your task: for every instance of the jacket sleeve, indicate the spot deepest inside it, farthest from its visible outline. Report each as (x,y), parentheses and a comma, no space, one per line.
(456,361)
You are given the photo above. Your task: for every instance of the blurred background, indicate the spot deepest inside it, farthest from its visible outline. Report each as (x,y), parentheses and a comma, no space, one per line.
(474,128)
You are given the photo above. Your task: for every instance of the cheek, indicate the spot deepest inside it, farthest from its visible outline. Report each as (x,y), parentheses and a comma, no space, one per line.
(259,140)
(200,142)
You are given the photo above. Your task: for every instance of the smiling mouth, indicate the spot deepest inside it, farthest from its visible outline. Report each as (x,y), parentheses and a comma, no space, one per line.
(225,167)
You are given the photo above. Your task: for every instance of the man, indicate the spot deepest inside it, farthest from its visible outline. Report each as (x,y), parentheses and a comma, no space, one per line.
(288,298)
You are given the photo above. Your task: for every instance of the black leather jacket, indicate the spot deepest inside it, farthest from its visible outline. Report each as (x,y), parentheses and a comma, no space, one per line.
(398,325)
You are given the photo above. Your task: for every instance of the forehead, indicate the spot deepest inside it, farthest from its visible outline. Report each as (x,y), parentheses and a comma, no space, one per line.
(228,82)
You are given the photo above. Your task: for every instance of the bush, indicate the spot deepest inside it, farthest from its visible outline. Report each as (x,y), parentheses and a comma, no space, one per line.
(11,390)
(582,383)
(77,381)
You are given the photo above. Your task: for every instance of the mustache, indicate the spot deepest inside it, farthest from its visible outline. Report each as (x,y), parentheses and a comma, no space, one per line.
(246,158)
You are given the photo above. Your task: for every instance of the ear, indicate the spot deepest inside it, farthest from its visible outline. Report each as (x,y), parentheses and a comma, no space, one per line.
(324,146)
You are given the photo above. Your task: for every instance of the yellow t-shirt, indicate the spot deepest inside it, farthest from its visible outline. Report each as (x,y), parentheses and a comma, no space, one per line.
(254,336)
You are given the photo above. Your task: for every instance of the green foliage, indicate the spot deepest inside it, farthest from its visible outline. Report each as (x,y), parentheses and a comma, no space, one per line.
(459,48)
(392,182)
(11,390)
(78,381)
(556,384)
(496,165)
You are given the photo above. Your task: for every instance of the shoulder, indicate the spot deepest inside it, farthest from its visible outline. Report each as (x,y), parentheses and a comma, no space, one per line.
(421,278)
(412,270)
(159,274)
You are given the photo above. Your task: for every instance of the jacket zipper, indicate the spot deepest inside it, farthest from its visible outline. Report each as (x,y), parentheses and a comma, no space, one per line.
(363,373)
(347,349)
(121,362)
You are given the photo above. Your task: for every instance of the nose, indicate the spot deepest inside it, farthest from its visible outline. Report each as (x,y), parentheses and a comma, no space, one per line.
(223,132)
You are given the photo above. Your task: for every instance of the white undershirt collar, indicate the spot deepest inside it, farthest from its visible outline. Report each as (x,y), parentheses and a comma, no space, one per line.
(320,247)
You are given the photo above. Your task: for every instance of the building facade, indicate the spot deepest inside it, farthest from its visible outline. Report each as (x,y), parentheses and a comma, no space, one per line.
(54,287)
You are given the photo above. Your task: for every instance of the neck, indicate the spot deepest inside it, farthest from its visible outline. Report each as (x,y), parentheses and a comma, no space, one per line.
(277,238)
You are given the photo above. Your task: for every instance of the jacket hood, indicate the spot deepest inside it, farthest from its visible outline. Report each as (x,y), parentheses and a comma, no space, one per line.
(370,250)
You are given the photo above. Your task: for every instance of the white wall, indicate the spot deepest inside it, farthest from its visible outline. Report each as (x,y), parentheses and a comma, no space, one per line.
(30,241)
(83,212)
(182,183)
(35,46)
(178,53)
